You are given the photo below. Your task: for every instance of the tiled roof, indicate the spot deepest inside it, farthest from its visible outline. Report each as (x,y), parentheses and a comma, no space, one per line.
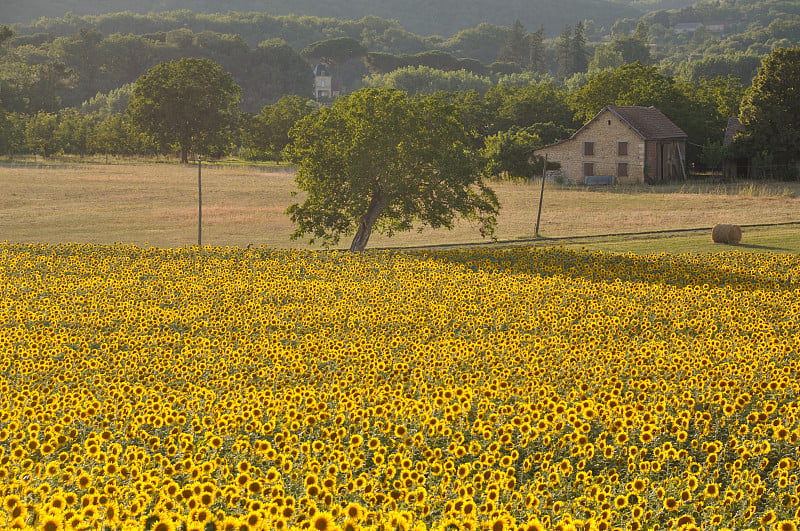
(730,131)
(649,122)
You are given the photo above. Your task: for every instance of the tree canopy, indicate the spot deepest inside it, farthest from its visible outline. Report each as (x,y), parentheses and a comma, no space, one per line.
(190,104)
(378,159)
(267,134)
(770,110)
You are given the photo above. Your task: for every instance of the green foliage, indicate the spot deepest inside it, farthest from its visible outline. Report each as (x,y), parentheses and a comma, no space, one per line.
(536,51)
(549,132)
(578,54)
(714,154)
(6,34)
(741,65)
(105,105)
(562,51)
(74,132)
(334,51)
(508,153)
(12,133)
(378,159)
(482,42)
(528,105)
(384,63)
(426,80)
(633,84)
(272,71)
(264,17)
(267,134)
(500,68)
(605,58)
(190,104)
(117,135)
(770,110)
(40,133)
(632,49)
(517,47)
(70,70)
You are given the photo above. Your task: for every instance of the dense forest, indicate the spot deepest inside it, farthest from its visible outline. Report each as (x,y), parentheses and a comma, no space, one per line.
(72,66)
(424,17)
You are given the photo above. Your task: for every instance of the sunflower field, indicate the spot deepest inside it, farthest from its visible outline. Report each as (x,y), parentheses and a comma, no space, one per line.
(493,389)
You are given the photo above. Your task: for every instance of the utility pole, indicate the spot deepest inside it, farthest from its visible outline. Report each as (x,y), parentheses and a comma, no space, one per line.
(541,195)
(199,200)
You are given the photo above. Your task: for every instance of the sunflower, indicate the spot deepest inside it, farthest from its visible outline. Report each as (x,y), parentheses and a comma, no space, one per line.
(10,502)
(51,523)
(670,504)
(534,525)
(785,525)
(354,511)
(711,490)
(323,521)
(621,501)
(767,518)
(164,525)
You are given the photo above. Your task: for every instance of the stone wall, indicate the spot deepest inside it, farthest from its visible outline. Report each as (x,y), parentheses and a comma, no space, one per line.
(606,131)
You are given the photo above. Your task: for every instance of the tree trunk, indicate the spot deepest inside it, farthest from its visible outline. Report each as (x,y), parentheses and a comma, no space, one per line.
(184,155)
(365,223)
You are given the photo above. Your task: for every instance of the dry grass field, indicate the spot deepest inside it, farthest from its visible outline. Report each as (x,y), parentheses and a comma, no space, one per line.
(156,204)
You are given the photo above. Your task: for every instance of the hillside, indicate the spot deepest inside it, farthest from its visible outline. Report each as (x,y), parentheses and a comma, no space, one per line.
(424,17)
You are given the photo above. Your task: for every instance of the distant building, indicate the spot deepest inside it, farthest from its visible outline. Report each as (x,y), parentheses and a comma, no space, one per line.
(624,145)
(323,88)
(687,27)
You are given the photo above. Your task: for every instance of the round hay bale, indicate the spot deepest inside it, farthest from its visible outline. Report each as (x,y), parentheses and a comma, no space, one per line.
(725,233)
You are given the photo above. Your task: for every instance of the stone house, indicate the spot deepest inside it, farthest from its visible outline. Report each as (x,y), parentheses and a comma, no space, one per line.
(322,83)
(625,144)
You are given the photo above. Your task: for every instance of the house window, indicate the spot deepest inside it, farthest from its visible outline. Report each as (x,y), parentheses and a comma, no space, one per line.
(588,169)
(622,149)
(588,148)
(622,169)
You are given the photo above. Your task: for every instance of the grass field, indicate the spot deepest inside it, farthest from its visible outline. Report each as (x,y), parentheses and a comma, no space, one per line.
(156,204)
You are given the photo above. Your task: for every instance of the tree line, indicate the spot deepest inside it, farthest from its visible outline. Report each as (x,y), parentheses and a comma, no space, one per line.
(63,62)
(505,119)
(383,159)
(431,17)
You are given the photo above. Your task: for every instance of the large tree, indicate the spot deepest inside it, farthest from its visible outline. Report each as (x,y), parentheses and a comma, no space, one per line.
(190,104)
(517,47)
(770,110)
(580,59)
(562,50)
(380,160)
(536,51)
